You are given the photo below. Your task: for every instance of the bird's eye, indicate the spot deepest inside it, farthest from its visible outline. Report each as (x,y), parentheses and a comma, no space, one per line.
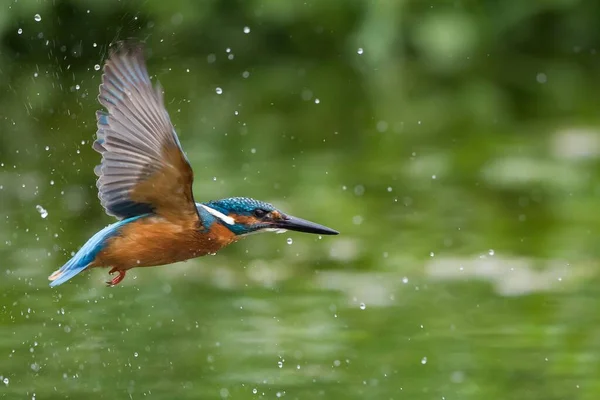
(259,213)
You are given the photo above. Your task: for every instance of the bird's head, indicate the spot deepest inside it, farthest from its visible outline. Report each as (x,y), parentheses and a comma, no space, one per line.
(243,216)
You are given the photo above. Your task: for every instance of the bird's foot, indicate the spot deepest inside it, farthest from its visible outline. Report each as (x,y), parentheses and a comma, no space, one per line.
(115,281)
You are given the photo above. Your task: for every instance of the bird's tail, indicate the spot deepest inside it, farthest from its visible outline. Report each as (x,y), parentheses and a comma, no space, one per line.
(87,254)
(74,266)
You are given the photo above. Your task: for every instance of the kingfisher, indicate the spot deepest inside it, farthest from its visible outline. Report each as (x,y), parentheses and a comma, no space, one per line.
(145,182)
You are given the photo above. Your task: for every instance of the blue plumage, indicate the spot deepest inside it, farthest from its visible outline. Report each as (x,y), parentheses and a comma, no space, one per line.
(206,218)
(102,119)
(239,205)
(88,252)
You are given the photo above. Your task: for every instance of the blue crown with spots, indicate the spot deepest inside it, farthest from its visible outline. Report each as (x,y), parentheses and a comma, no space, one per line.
(239,205)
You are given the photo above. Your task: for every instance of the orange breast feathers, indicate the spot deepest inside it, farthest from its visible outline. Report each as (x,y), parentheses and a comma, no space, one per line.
(154,241)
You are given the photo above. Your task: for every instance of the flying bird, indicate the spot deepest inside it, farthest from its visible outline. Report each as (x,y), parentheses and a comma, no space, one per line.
(145,181)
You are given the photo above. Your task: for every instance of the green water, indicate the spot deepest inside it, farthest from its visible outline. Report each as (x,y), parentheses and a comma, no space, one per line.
(454,145)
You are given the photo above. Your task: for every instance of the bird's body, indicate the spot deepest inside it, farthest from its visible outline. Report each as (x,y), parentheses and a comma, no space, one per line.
(145,180)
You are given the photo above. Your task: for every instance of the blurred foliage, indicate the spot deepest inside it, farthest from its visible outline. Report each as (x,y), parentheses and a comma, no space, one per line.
(427,132)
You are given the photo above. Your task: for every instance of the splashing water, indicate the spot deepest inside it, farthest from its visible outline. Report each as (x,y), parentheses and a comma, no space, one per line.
(42,211)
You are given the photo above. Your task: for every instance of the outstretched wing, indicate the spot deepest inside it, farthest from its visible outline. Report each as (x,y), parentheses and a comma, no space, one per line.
(143,167)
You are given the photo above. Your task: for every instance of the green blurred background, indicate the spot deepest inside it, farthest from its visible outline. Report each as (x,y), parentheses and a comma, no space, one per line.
(454,144)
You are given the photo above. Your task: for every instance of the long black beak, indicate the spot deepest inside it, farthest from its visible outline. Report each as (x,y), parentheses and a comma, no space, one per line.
(302,225)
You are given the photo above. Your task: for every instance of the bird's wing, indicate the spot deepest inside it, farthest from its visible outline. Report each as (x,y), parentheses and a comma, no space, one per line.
(143,167)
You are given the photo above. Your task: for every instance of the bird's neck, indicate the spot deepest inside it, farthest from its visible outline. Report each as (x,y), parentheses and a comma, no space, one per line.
(210,220)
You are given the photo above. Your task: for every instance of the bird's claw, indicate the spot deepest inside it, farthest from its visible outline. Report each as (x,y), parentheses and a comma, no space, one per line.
(115,281)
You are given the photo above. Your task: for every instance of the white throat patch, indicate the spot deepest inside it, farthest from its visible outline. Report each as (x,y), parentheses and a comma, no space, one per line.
(228,220)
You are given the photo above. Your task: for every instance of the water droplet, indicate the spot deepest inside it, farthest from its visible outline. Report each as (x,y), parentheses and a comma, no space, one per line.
(245,74)
(5,380)
(359,190)
(95,45)
(317,101)
(219,90)
(37,17)
(42,211)
(77,87)
(541,78)
(363,306)
(19,31)
(135,354)
(246,29)
(289,241)
(47,148)
(280,364)
(491,252)
(360,50)
(97,67)
(432,254)
(405,280)
(255,390)
(424,360)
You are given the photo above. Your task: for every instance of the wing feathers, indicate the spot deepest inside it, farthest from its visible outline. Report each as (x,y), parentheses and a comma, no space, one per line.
(143,166)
